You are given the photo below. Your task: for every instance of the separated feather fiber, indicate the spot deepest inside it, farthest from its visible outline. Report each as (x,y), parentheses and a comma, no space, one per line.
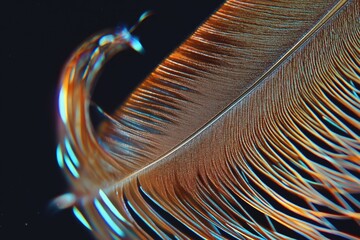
(249,130)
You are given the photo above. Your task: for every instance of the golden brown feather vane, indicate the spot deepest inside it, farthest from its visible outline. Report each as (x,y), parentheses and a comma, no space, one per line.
(249,130)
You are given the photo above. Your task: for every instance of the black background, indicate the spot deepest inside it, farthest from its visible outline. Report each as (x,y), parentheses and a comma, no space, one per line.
(37,37)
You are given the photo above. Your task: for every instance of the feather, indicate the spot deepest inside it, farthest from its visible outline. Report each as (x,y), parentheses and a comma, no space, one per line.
(249,130)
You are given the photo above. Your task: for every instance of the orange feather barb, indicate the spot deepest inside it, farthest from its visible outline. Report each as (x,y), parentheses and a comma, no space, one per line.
(249,130)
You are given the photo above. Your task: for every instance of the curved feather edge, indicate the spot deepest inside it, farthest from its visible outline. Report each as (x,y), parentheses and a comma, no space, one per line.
(281,162)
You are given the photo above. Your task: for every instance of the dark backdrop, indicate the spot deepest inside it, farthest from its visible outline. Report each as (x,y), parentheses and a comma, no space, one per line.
(36,39)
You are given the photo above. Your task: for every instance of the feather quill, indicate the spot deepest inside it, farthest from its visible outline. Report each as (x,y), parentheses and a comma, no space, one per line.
(249,130)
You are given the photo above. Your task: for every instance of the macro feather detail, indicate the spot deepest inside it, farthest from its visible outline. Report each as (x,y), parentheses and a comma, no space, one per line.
(249,130)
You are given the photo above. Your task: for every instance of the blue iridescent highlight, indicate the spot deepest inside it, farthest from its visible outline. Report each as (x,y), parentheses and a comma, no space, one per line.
(81,218)
(62,106)
(110,205)
(71,167)
(108,219)
(59,156)
(71,153)
(142,218)
(144,15)
(334,124)
(106,39)
(136,45)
